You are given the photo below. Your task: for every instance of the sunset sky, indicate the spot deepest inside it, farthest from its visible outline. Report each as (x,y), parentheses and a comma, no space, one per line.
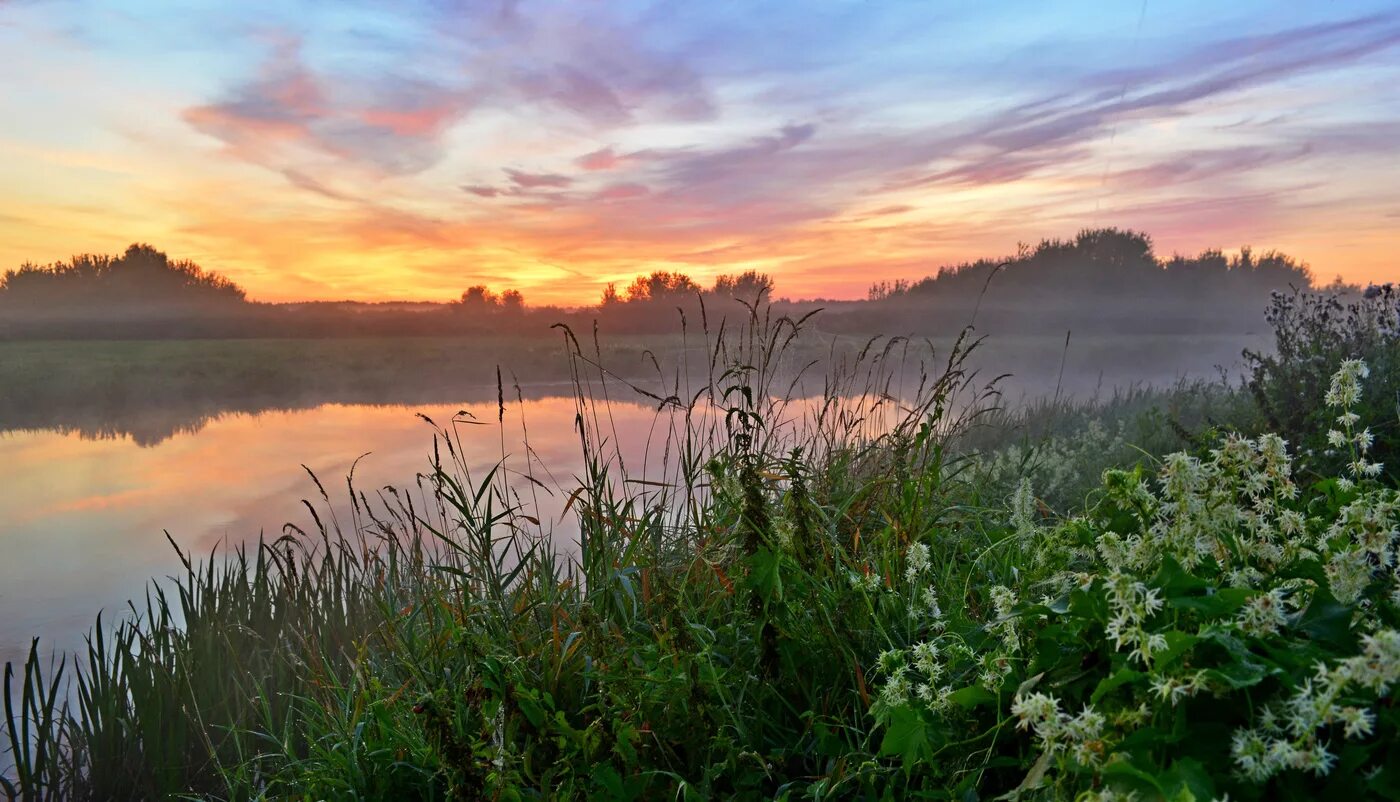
(407,150)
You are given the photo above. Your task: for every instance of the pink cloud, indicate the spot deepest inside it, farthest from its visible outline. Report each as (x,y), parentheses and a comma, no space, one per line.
(536,180)
(622,192)
(393,125)
(602,159)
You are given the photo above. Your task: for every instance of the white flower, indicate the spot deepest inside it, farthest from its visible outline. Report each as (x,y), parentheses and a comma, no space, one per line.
(1264,614)
(918,560)
(1035,710)
(1358,720)
(1346,384)
(897,688)
(935,613)
(1348,573)
(1023,508)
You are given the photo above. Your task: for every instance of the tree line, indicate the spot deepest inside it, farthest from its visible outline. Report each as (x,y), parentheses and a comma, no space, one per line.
(1102,279)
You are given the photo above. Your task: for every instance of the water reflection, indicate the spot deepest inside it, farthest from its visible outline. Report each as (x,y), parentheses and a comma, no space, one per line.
(89,482)
(83,518)
(150,421)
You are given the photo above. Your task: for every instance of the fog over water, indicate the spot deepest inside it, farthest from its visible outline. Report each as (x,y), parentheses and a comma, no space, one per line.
(89,487)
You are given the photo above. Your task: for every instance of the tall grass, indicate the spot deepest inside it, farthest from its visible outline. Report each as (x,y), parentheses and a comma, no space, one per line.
(804,584)
(436,643)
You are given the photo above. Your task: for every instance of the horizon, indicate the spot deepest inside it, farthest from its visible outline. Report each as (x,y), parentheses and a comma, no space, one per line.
(1025,257)
(359,153)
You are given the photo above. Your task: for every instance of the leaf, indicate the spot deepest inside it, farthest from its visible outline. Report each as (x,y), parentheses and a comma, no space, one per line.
(1126,772)
(972,696)
(1220,604)
(1173,580)
(1187,781)
(1032,779)
(1328,621)
(1238,674)
(1178,644)
(530,706)
(607,778)
(906,736)
(764,576)
(1029,684)
(1113,682)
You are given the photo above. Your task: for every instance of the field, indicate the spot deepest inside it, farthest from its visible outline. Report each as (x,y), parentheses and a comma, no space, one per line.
(868,597)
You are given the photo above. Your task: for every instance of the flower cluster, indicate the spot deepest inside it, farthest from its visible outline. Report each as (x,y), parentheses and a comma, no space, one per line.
(1344,394)
(1288,738)
(1081,736)
(1023,509)
(1207,580)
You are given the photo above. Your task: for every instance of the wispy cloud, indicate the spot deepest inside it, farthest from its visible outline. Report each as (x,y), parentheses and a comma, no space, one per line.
(393,124)
(526,180)
(563,146)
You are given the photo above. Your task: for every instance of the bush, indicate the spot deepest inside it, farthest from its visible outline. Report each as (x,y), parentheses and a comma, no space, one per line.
(823,610)
(1220,630)
(1313,333)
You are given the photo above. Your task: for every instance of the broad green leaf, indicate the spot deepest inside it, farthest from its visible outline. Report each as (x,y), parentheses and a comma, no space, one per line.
(1187,781)
(1113,682)
(906,736)
(972,696)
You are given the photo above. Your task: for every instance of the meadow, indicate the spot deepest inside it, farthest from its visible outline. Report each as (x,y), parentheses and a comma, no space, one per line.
(905,589)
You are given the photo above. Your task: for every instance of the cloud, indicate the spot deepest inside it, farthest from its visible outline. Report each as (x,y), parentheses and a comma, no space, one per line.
(606,140)
(602,159)
(526,180)
(1206,165)
(609,79)
(303,181)
(1047,128)
(623,191)
(392,124)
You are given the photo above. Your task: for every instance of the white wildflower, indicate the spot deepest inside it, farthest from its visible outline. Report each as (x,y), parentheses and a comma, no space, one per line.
(1264,614)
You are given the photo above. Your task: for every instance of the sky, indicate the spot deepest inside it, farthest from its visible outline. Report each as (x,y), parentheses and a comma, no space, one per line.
(407,150)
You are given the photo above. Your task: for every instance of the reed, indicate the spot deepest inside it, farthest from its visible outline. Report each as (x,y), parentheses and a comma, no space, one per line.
(741,614)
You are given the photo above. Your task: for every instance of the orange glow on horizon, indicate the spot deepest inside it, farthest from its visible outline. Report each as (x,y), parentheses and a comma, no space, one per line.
(554,153)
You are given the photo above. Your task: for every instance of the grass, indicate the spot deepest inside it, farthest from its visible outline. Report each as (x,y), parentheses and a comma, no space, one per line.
(152,389)
(824,600)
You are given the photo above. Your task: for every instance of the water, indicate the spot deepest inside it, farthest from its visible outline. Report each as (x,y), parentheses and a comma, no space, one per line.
(87,491)
(82,518)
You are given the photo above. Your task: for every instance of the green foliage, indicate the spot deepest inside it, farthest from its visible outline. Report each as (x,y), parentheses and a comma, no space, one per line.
(808,599)
(1215,628)
(1313,333)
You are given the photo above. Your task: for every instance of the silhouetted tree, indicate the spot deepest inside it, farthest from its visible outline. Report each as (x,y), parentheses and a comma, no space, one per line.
(479,298)
(748,285)
(661,285)
(142,278)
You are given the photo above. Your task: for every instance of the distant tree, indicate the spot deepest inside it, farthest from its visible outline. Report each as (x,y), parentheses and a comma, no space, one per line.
(882,290)
(141,278)
(610,296)
(512,301)
(660,285)
(480,297)
(748,285)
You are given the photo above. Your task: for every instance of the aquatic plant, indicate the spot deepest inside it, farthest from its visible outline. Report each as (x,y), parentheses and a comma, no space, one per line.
(789,595)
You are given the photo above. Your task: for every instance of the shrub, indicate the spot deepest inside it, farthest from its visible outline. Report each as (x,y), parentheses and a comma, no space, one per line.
(1313,333)
(1216,629)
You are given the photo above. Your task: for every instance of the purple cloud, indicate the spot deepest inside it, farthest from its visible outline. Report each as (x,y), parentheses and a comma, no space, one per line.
(392,124)
(526,180)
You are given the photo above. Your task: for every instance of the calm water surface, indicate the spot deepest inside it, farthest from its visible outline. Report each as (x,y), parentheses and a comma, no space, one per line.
(82,520)
(84,503)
